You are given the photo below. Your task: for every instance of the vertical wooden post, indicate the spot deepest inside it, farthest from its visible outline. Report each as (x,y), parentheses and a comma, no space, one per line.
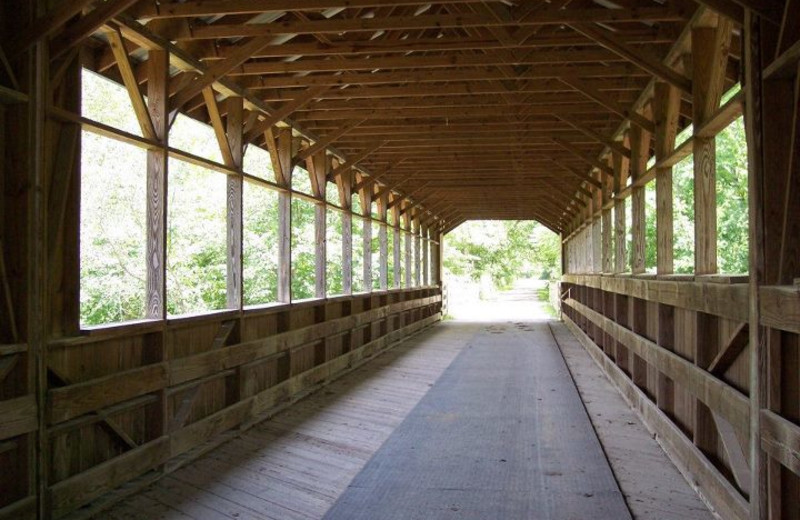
(436,268)
(383,239)
(366,208)
(666,110)
(317,166)
(710,47)
(773,134)
(621,168)
(407,239)
(398,282)
(235,109)
(709,63)
(417,249)
(280,148)
(157,101)
(608,232)
(33,185)
(640,153)
(425,252)
(345,184)
(753,66)
(596,205)
(63,150)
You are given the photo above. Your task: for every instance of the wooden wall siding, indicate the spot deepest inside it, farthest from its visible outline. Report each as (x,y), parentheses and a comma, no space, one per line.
(709,360)
(651,366)
(102,401)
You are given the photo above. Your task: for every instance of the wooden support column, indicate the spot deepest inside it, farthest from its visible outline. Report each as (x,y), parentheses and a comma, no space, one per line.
(398,269)
(62,149)
(640,153)
(417,230)
(773,134)
(157,101)
(425,258)
(608,229)
(345,184)
(279,144)
(383,239)
(597,232)
(621,169)
(407,240)
(235,127)
(318,166)
(366,208)
(710,47)
(436,258)
(666,110)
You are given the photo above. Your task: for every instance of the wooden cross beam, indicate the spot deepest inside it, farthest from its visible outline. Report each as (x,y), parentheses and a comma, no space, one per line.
(638,58)
(604,168)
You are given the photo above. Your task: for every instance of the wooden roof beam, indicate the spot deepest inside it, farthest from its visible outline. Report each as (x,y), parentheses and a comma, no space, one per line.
(43,26)
(203,8)
(604,168)
(257,68)
(638,58)
(328,139)
(84,27)
(391,23)
(355,160)
(609,103)
(215,72)
(412,77)
(284,111)
(614,145)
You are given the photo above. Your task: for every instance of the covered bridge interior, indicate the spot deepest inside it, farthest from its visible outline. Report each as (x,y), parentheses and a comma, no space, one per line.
(405,118)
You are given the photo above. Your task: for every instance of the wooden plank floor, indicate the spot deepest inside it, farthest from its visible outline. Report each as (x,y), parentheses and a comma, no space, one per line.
(296,465)
(653,486)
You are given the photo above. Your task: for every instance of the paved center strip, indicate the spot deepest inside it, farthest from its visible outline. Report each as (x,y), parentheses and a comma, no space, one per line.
(502,434)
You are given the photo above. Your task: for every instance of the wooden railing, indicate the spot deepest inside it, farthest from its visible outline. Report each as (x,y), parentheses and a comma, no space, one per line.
(676,348)
(127,404)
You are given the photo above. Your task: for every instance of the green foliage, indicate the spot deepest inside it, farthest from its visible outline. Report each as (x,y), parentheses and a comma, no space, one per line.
(113,233)
(732,206)
(303,249)
(113,237)
(503,250)
(334,252)
(260,244)
(196,239)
